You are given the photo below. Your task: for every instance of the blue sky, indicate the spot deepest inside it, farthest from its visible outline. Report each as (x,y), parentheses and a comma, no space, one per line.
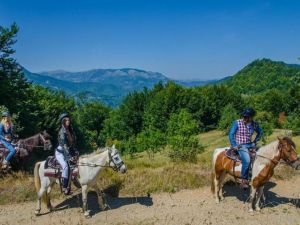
(183,39)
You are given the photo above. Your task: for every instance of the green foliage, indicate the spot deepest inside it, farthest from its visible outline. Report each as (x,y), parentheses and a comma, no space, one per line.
(293,123)
(150,140)
(182,139)
(266,121)
(229,114)
(91,117)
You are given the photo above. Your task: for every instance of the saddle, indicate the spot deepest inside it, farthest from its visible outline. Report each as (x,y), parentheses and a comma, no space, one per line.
(53,168)
(233,154)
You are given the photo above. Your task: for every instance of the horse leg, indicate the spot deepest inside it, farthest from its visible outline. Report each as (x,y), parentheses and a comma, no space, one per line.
(221,183)
(101,198)
(217,186)
(49,205)
(84,200)
(259,194)
(251,198)
(40,195)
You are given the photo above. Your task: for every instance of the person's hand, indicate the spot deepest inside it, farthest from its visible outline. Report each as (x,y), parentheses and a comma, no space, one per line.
(253,144)
(8,138)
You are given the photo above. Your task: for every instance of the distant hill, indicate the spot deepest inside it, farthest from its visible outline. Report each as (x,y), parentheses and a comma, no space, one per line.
(263,74)
(107,85)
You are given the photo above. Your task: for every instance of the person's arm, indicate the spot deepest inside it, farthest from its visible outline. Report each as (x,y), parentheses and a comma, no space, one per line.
(62,139)
(1,132)
(259,133)
(232,134)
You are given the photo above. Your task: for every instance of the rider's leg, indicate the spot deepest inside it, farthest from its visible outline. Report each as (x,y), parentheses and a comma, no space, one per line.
(65,168)
(11,153)
(244,155)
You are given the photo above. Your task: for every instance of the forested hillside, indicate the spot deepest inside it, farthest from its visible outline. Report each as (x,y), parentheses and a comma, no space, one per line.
(149,120)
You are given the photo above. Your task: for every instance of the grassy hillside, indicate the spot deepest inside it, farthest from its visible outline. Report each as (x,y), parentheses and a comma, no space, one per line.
(144,175)
(264,74)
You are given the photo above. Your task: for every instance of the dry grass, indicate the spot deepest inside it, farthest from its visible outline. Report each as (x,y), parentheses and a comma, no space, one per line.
(144,175)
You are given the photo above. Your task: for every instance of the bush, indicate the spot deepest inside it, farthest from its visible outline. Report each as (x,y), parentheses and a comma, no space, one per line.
(293,123)
(150,140)
(182,139)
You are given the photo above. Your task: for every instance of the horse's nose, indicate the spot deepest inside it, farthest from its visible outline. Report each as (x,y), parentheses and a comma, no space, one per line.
(123,169)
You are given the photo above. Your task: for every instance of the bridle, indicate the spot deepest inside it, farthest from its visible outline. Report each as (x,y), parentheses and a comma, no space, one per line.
(116,167)
(285,159)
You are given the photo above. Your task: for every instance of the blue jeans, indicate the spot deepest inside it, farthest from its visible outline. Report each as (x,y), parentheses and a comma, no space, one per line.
(245,157)
(10,148)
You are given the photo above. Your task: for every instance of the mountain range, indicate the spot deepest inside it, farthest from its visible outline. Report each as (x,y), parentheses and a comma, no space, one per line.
(107,85)
(111,85)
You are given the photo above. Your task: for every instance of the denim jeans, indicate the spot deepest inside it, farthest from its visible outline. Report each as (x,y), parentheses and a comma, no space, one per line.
(10,148)
(245,157)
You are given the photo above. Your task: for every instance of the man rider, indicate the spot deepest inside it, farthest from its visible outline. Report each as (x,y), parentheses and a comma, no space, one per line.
(240,137)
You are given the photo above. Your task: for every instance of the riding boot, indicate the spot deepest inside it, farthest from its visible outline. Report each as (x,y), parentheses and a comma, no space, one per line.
(66,188)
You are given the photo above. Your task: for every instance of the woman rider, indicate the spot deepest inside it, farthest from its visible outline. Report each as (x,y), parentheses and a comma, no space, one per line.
(6,135)
(66,149)
(240,137)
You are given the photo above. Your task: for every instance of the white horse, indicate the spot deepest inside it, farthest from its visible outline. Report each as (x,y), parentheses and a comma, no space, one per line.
(89,167)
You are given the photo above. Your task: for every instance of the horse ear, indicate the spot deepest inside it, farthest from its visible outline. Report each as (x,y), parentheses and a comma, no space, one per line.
(279,139)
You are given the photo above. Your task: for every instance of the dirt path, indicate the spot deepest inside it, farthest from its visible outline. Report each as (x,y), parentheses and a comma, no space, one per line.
(185,207)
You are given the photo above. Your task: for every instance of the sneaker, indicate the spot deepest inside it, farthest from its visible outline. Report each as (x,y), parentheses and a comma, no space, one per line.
(67,191)
(5,164)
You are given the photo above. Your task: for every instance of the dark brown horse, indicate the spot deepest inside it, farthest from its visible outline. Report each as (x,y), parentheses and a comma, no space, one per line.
(267,158)
(25,146)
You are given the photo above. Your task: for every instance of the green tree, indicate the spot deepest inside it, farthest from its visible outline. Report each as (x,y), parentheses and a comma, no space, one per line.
(229,114)
(150,140)
(182,139)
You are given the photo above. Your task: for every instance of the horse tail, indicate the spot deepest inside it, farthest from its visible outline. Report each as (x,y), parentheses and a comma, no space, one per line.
(37,180)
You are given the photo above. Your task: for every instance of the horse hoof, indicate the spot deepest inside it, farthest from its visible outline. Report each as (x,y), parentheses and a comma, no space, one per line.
(251,211)
(258,209)
(37,212)
(87,215)
(217,201)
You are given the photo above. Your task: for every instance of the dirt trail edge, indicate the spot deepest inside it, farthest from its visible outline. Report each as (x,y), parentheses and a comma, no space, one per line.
(282,206)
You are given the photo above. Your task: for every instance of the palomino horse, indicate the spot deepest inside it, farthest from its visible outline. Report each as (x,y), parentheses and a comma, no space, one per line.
(89,167)
(267,158)
(25,146)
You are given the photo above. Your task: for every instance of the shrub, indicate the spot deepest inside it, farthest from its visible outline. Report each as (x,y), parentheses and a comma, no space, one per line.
(182,139)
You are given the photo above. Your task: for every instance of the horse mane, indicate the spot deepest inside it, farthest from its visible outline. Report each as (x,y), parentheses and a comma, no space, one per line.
(289,141)
(97,152)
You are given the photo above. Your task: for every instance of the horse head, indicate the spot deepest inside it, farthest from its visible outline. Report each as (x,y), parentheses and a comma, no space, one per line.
(115,160)
(45,140)
(288,152)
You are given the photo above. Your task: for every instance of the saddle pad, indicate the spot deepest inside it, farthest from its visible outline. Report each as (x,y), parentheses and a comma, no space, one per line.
(52,163)
(232,154)
(50,172)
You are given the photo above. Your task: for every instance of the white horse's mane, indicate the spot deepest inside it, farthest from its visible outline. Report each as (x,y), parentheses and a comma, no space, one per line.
(97,152)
